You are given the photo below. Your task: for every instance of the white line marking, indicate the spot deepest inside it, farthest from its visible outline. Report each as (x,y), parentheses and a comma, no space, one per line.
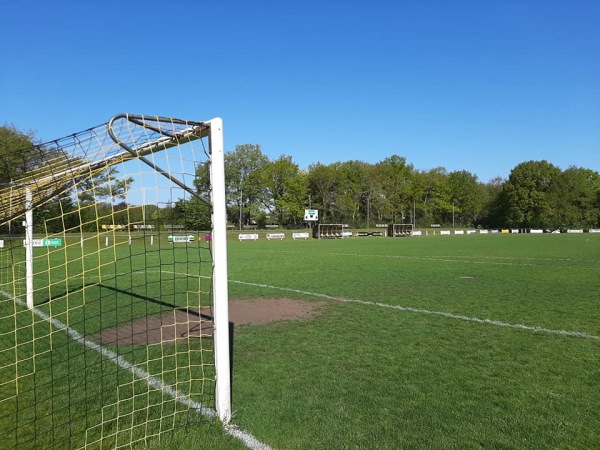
(459,259)
(498,323)
(249,440)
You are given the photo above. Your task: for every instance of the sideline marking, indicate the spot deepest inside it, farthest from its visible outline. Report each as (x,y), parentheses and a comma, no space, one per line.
(498,323)
(233,430)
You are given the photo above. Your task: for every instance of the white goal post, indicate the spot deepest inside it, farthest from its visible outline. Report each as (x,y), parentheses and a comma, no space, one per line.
(141,324)
(220,278)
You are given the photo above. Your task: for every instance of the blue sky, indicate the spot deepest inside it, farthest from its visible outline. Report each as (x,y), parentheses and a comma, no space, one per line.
(472,85)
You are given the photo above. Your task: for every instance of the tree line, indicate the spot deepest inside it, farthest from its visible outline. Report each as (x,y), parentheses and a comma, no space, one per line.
(262,191)
(536,194)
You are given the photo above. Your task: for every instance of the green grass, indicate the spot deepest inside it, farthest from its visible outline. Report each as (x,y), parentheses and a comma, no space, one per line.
(366,376)
(65,394)
(417,346)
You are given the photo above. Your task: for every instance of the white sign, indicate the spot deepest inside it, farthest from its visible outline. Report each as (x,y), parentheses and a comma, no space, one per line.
(275,236)
(52,242)
(311,215)
(302,235)
(248,237)
(179,239)
(143,227)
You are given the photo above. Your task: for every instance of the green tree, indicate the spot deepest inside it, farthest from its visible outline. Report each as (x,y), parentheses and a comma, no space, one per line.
(396,188)
(577,198)
(194,214)
(322,180)
(242,182)
(468,197)
(285,190)
(104,186)
(13,163)
(21,159)
(56,216)
(374,198)
(16,152)
(351,190)
(433,195)
(529,196)
(492,216)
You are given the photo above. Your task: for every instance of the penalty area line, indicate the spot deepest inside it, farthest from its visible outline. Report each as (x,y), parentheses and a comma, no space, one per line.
(233,430)
(498,323)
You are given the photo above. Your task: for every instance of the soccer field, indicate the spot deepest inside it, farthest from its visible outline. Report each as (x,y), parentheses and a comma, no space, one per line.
(447,342)
(488,341)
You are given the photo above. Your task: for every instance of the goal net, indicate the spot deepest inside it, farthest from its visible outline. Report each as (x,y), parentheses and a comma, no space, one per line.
(114,324)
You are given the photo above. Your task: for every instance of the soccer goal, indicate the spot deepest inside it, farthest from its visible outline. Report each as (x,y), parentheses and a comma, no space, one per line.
(113,333)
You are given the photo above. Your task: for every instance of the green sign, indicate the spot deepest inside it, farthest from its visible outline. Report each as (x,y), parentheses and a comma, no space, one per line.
(175,239)
(52,242)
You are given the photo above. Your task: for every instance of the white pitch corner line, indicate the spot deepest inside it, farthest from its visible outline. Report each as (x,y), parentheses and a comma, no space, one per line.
(577,334)
(247,439)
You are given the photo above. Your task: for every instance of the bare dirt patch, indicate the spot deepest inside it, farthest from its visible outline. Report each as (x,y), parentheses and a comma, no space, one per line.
(182,323)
